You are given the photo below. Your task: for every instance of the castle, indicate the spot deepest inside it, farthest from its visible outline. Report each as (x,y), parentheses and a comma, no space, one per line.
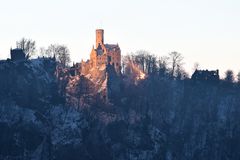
(100,56)
(98,72)
(105,54)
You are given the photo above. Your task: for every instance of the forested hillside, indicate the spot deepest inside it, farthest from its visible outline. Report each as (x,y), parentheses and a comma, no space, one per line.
(154,114)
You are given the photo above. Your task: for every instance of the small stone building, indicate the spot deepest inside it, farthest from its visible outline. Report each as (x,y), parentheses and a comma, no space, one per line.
(205,75)
(17,54)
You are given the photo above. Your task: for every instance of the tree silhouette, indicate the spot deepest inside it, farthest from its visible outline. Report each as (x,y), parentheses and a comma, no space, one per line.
(163,65)
(60,51)
(28,46)
(176,62)
(229,76)
(238,77)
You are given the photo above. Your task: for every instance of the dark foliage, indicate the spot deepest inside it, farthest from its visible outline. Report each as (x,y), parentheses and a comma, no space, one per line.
(158,117)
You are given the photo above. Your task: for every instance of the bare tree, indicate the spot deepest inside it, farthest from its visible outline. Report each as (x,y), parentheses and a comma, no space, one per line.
(151,63)
(61,52)
(146,61)
(176,61)
(140,58)
(163,65)
(181,73)
(42,51)
(28,46)
(229,76)
(52,50)
(238,77)
(125,61)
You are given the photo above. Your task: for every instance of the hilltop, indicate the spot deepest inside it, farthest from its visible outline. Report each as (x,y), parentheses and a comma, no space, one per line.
(152,118)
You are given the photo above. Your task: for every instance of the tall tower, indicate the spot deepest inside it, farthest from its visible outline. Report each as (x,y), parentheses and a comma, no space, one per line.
(99,37)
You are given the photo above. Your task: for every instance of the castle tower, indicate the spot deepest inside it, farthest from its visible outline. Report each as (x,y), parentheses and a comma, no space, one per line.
(99,37)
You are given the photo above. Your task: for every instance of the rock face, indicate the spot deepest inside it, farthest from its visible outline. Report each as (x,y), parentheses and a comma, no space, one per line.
(153,119)
(28,83)
(29,134)
(97,85)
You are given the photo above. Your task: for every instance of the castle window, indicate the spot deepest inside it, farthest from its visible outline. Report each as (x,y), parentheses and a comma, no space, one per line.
(116,64)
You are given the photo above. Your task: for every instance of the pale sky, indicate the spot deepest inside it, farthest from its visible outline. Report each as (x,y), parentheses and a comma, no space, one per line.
(204,31)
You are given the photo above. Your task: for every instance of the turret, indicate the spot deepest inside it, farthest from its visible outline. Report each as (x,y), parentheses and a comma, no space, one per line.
(99,37)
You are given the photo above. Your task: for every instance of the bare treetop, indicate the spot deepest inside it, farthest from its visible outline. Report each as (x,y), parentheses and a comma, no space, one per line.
(28,46)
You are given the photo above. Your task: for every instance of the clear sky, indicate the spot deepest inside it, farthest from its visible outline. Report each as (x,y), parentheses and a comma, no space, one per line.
(204,31)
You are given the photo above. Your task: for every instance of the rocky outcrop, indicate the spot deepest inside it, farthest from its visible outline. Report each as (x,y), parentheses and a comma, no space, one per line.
(28,82)
(30,134)
(97,85)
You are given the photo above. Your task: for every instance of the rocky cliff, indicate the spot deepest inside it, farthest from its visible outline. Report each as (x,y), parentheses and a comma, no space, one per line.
(97,85)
